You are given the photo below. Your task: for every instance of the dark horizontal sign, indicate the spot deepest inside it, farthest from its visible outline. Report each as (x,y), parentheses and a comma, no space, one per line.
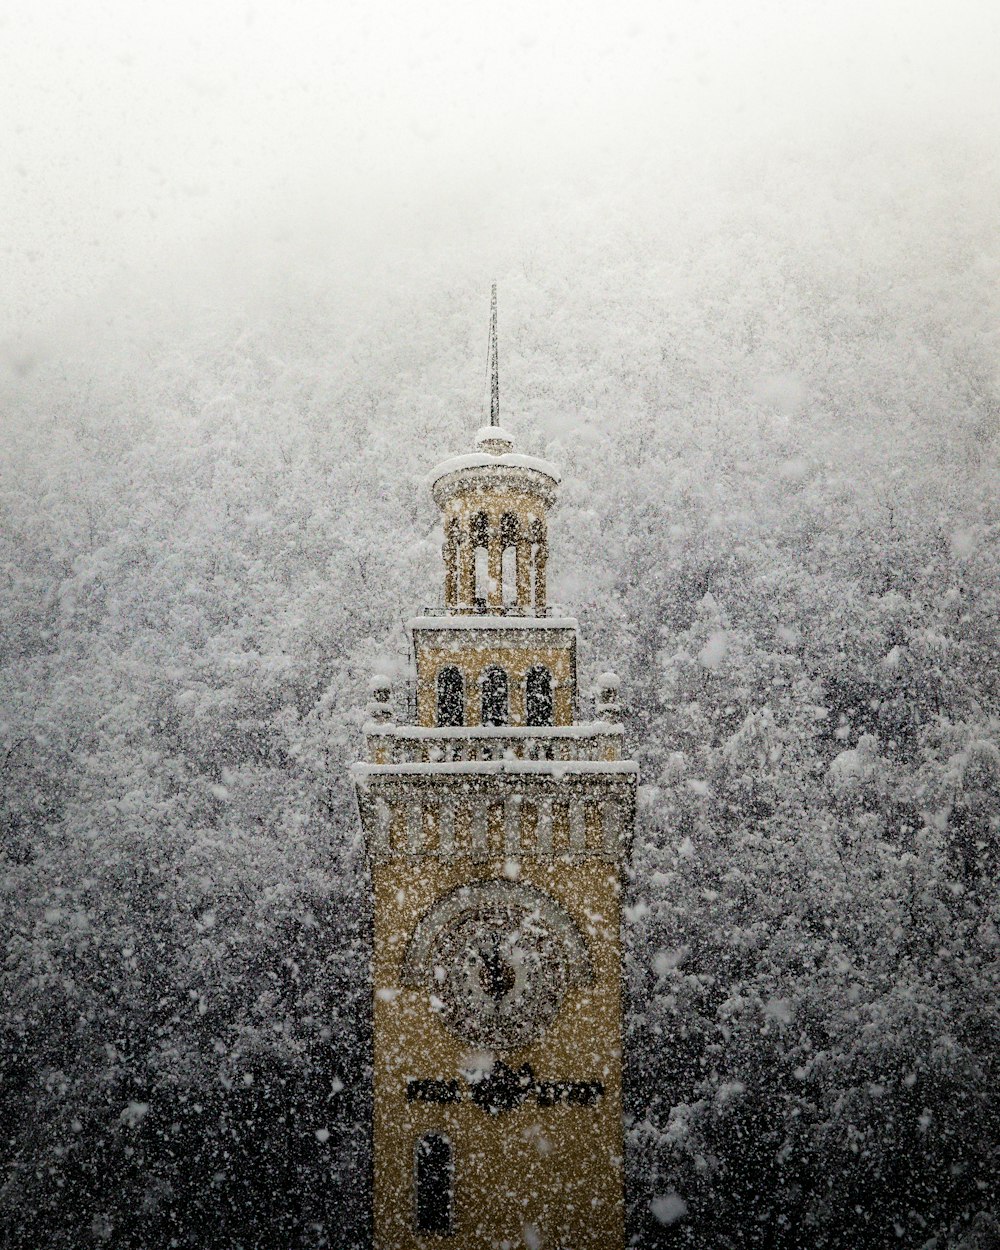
(505,1088)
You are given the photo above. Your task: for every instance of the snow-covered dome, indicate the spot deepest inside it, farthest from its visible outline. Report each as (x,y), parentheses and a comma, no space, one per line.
(494,440)
(490,468)
(495,505)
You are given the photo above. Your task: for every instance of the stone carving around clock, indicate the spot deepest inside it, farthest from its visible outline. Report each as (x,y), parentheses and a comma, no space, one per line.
(497,957)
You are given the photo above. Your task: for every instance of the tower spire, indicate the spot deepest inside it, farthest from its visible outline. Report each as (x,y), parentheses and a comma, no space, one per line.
(494,366)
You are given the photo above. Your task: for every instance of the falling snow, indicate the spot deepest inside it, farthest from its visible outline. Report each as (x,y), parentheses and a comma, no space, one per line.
(749,273)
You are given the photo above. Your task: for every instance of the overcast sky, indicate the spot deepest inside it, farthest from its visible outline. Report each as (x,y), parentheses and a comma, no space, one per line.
(140,137)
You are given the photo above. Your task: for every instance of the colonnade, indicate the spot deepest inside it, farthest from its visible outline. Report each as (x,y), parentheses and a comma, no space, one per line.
(518,824)
(484,590)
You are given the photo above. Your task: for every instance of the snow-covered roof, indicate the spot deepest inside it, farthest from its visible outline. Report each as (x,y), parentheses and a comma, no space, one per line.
(490,432)
(481,460)
(473,621)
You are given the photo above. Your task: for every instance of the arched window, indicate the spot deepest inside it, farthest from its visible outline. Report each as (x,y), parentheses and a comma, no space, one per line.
(450,697)
(538,696)
(433,1188)
(495,699)
(479,532)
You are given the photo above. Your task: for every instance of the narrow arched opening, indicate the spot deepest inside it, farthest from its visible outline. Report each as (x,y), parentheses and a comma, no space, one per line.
(450,697)
(538,700)
(479,535)
(495,697)
(433,1184)
(509,534)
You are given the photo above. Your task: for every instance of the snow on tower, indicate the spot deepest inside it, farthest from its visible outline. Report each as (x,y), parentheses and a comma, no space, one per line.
(496,827)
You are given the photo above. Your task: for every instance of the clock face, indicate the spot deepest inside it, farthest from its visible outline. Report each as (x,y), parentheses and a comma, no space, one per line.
(499,959)
(502,977)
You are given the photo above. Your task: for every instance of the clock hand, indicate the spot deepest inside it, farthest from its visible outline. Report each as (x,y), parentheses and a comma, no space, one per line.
(496,976)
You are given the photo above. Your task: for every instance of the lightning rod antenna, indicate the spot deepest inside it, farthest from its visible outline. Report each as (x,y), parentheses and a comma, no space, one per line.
(494,366)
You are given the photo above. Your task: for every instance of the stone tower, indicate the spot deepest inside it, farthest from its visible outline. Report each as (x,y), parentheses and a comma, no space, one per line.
(496,826)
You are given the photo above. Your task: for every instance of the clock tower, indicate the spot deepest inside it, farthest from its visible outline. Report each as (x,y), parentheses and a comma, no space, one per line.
(496,824)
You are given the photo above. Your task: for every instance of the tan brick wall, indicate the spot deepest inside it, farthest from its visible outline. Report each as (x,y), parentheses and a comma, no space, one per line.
(479,654)
(557,1169)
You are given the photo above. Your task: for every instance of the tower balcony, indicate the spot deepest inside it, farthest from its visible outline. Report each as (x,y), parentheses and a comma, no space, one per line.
(390,744)
(483,607)
(508,807)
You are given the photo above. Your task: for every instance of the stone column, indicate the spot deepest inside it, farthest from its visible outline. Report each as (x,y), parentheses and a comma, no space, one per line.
(524,575)
(611,826)
(577,825)
(466,569)
(383,828)
(512,824)
(414,826)
(446,829)
(544,826)
(450,551)
(541,556)
(480,829)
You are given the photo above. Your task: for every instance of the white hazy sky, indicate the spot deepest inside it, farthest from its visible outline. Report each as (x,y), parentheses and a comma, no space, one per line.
(138,136)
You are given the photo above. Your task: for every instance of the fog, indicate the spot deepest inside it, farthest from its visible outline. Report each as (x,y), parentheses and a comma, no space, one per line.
(749,276)
(161,157)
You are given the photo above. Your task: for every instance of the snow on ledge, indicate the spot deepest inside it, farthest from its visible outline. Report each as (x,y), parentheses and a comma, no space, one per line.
(552,768)
(474,621)
(481,460)
(587,729)
(486,432)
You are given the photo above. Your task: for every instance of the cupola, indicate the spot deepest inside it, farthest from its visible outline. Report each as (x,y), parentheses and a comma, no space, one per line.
(495,505)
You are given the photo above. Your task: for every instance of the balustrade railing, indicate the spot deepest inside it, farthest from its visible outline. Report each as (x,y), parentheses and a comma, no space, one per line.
(390,744)
(481,607)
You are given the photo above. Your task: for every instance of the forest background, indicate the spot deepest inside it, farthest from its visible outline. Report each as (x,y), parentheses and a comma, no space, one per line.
(749,274)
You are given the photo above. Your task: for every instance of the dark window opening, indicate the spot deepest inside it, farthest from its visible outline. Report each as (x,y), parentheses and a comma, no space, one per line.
(510,531)
(538,696)
(433,1168)
(479,529)
(450,697)
(495,699)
